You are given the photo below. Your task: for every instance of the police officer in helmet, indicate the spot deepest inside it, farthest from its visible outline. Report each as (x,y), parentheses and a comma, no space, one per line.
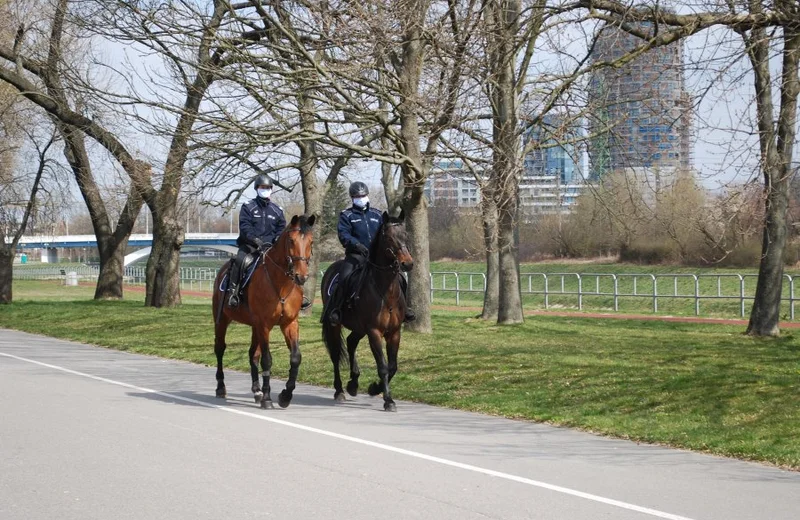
(261,223)
(358,226)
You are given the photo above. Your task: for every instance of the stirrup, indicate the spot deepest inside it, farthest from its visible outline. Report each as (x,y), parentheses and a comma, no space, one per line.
(306,304)
(233,298)
(334,317)
(410,316)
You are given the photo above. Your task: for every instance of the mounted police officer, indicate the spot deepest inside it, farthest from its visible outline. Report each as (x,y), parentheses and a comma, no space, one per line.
(261,223)
(358,226)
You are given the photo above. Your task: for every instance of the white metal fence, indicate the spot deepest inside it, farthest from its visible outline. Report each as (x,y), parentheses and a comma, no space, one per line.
(572,290)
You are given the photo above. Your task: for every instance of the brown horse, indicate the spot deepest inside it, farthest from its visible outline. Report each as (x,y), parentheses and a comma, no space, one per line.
(273,297)
(377,312)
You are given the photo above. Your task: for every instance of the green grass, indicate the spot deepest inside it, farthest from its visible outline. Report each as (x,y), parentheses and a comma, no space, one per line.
(703,387)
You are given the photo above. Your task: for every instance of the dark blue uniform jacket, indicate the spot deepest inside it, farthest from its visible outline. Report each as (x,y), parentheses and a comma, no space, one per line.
(262,219)
(358,226)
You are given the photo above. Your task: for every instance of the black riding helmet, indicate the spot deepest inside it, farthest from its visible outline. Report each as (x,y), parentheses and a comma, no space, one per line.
(263,180)
(358,189)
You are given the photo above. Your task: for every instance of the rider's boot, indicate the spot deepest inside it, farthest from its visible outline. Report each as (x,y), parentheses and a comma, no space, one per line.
(233,286)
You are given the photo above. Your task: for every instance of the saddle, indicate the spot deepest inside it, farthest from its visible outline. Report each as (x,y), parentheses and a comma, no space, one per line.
(351,284)
(249,267)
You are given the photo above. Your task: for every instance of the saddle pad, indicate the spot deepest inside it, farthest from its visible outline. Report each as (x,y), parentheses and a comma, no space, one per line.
(223,284)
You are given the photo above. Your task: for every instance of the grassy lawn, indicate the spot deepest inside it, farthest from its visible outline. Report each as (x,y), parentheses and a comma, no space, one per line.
(702,387)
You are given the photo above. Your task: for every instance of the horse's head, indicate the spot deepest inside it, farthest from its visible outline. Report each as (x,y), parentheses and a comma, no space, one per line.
(392,241)
(299,240)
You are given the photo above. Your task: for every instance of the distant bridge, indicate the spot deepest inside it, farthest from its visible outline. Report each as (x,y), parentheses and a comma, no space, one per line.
(220,241)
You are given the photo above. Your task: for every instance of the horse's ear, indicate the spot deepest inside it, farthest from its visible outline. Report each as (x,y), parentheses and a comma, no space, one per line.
(385,216)
(402,216)
(294,220)
(311,220)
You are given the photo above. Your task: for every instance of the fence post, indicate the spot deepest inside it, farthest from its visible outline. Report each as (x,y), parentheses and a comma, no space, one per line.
(696,295)
(616,293)
(458,291)
(580,292)
(655,293)
(546,295)
(741,294)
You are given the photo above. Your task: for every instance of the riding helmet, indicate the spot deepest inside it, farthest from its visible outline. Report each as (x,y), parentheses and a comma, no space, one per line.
(263,180)
(358,189)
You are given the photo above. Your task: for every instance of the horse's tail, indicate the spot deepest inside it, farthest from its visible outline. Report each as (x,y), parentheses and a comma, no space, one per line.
(334,344)
(221,297)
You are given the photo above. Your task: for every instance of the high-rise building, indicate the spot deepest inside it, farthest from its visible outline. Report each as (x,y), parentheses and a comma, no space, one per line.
(552,176)
(641,113)
(450,184)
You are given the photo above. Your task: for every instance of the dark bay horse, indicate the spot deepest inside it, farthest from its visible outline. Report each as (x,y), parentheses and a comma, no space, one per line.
(377,312)
(273,297)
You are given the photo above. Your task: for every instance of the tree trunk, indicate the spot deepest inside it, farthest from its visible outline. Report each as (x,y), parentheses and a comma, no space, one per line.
(163,265)
(506,163)
(765,313)
(6,273)
(419,295)
(312,198)
(112,268)
(415,169)
(491,296)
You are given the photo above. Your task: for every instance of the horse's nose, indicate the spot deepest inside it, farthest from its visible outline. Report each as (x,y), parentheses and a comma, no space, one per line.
(300,279)
(406,266)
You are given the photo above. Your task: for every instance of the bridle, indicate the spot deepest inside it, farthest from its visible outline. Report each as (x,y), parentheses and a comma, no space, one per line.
(290,261)
(395,265)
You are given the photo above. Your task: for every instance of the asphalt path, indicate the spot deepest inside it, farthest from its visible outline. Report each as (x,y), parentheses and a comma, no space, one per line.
(92,433)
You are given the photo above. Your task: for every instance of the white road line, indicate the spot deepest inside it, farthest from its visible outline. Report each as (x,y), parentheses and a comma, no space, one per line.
(364,442)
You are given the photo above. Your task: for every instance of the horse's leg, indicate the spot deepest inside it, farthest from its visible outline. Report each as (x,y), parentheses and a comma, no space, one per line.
(355,372)
(220,329)
(266,369)
(255,356)
(392,347)
(291,332)
(332,337)
(382,385)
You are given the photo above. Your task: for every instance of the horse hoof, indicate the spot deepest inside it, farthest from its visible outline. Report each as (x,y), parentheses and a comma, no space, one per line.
(222,394)
(389,406)
(284,399)
(339,397)
(267,405)
(352,388)
(374,389)
(258,396)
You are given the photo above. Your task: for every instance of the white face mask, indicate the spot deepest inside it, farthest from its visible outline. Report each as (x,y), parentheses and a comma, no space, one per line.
(264,193)
(361,202)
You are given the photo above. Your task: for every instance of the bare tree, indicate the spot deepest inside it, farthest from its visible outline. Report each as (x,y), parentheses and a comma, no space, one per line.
(765,30)
(19,188)
(42,58)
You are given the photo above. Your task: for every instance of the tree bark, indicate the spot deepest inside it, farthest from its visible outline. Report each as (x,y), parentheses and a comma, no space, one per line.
(163,265)
(491,295)
(312,198)
(6,273)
